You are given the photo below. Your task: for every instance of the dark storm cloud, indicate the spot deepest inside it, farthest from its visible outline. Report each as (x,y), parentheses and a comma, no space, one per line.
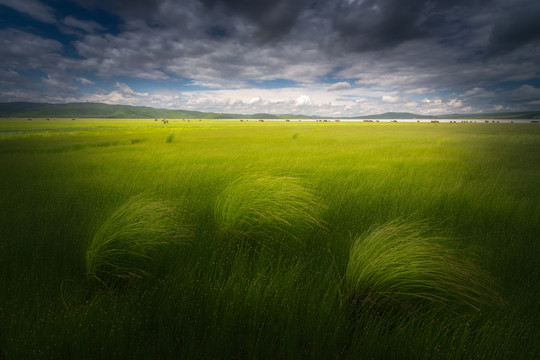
(138,8)
(273,19)
(32,8)
(518,25)
(339,27)
(377,24)
(368,25)
(26,51)
(87,26)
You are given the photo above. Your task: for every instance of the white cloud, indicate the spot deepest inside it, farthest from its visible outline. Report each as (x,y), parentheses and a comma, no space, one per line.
(455,103)
(84,81)
(422,90)
(124,88)
(339,86)
(51,80)
(390,99)
(303,100)
(253,100)
(361,100)
(478,93)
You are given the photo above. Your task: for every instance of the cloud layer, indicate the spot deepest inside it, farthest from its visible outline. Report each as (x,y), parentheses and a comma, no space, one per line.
(341,58)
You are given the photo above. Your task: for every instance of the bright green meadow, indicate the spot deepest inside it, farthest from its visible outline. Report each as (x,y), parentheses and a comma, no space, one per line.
(134,239)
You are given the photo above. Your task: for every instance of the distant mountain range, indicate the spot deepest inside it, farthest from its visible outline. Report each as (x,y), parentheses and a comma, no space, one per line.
(106,111)
(395,115)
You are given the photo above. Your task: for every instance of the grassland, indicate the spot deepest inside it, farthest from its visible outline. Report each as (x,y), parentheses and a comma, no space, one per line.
(266,242)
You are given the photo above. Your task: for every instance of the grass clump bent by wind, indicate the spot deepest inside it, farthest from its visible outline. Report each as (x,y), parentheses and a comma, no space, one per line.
(398,262)
(266,206)
(124,244)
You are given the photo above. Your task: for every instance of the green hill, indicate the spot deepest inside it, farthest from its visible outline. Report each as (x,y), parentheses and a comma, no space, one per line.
(96,110)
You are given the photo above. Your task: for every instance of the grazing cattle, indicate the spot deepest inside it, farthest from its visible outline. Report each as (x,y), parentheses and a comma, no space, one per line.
(337,120)
(29,119)
(155,119)
(72,119)
(534,121)
(434,121)
(287,120)
(393,120)
(261,120)
(241,120)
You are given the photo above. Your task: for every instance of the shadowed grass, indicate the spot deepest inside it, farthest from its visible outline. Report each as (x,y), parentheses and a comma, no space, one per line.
(266,206)
(125,242)
(397,262)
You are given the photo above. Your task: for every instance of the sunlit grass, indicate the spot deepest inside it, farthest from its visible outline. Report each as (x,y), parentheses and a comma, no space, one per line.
(261,205)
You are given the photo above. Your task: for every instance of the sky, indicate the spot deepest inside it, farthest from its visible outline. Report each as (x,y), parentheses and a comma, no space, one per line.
(325,58)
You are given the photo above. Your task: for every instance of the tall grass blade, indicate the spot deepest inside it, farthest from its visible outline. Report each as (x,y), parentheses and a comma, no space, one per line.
(398,262)
(126,241)
(266,206)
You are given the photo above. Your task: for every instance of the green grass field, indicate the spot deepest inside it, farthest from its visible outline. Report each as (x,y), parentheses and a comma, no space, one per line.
(131,239)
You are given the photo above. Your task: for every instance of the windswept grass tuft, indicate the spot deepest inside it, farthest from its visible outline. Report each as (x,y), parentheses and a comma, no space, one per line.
(266,206)
(397,262)
(125,242)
